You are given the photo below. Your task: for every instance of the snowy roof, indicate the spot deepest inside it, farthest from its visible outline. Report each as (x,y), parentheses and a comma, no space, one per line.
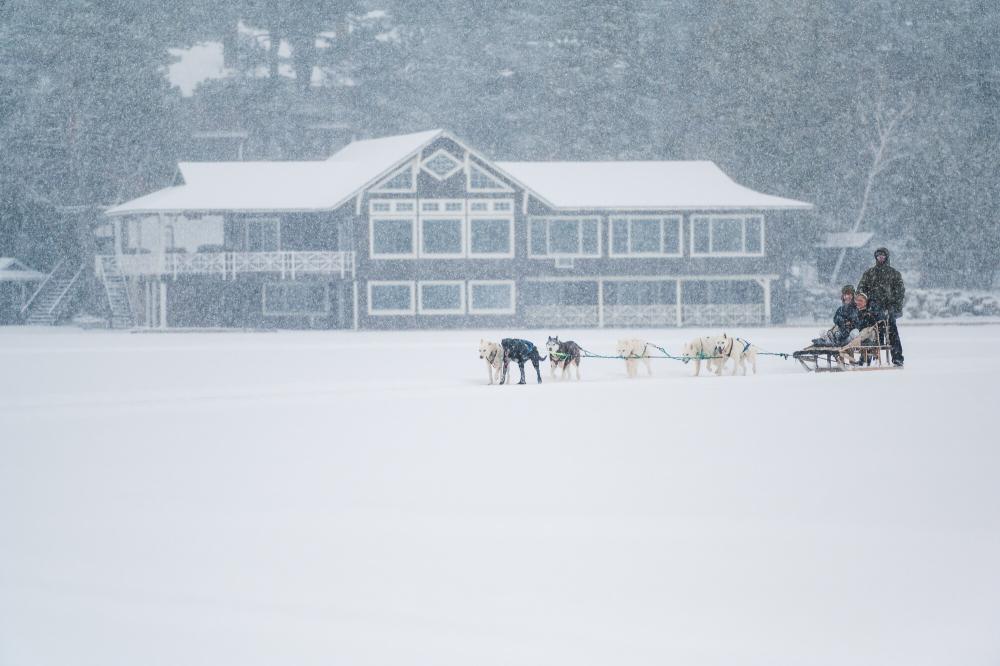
(669,185)
(328,184)
(846,239)
(12,270)
(280,186)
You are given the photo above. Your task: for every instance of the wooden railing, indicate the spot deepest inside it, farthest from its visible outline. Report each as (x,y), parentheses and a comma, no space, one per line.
(286,263)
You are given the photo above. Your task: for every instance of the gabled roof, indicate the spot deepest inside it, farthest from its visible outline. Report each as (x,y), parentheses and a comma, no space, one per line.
(328,184)
(281,186)
(690,185)
(12,270)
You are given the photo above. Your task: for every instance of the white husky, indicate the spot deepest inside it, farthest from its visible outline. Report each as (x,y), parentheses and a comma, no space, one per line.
(492,353)
(704,349)
(739,350)
(633,351)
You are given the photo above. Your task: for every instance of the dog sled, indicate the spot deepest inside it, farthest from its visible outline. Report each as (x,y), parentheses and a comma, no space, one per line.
(869,350)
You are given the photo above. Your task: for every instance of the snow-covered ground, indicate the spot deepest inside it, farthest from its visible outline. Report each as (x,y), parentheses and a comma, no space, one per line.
(365,498)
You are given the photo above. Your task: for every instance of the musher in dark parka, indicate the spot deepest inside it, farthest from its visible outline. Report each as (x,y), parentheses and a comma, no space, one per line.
(884,286)
(845,320)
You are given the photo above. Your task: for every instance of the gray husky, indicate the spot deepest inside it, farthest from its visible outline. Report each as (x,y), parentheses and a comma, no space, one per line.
(563,354)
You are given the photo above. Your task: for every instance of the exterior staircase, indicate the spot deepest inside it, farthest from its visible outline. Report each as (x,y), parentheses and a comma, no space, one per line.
(50,299)
(116,287)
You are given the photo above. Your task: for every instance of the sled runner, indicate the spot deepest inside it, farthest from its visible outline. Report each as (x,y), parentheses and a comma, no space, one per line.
(870,350)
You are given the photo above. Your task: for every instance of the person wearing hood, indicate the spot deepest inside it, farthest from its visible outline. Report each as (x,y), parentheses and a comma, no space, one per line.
(845,320)
(884,286)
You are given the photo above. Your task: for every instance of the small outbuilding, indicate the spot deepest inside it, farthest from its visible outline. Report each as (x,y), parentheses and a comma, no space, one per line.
(17,282)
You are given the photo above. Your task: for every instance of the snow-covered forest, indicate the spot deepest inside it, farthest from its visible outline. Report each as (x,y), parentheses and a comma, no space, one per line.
(883,113)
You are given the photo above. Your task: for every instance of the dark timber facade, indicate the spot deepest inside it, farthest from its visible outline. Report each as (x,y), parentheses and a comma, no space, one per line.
(443,237)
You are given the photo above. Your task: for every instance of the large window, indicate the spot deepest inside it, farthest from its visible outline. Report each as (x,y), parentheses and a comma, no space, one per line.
(491,297)
(393,228)
(442,228)
(392,237)
(442,237)
(727,235)
(442,297)
(645,236)
(391,298)
(491,237)
(295,298)
(564,237)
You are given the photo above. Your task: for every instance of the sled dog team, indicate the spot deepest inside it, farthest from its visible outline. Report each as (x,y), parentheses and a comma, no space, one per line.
(715,351)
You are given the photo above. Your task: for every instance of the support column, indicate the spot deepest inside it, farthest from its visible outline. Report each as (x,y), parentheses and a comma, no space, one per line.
(680,310)
(354,285)
(600,303)
(163,304)
(147,302)
(766,283)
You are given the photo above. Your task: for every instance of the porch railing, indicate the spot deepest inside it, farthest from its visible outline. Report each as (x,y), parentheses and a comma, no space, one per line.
(228,265)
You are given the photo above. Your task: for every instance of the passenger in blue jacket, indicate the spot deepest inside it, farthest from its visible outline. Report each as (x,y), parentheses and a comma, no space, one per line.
(845,320)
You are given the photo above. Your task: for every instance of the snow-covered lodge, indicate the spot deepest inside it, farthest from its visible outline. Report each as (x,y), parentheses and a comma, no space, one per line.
(423,231)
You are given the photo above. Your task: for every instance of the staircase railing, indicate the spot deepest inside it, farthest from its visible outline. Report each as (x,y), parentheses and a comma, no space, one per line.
(102,269)
(38,290)
(69,285)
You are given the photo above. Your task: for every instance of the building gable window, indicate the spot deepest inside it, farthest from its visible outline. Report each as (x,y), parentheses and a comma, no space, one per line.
(480,180)
(727,235)
(442,164)
(403,180)
(564,236)
(645,236)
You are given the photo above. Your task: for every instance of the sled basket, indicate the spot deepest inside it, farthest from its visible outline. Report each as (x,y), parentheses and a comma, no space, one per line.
(870,350)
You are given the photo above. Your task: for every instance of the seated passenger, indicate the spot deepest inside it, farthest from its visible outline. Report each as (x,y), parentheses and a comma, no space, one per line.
(845,320)
(866,316)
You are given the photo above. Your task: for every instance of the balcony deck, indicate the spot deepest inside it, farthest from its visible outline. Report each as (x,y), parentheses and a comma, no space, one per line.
(286,263)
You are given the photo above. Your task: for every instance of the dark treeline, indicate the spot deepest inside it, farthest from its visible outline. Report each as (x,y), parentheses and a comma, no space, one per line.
(822,101)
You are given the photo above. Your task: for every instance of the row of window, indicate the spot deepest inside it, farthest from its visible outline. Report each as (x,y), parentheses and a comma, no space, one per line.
(448,233)
(441,228)
(441,297)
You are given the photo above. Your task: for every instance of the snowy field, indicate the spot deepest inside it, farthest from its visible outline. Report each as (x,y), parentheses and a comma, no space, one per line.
(365,498)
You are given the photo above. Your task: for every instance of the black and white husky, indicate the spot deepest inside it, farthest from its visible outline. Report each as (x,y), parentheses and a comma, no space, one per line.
(563,354)
(520,351)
